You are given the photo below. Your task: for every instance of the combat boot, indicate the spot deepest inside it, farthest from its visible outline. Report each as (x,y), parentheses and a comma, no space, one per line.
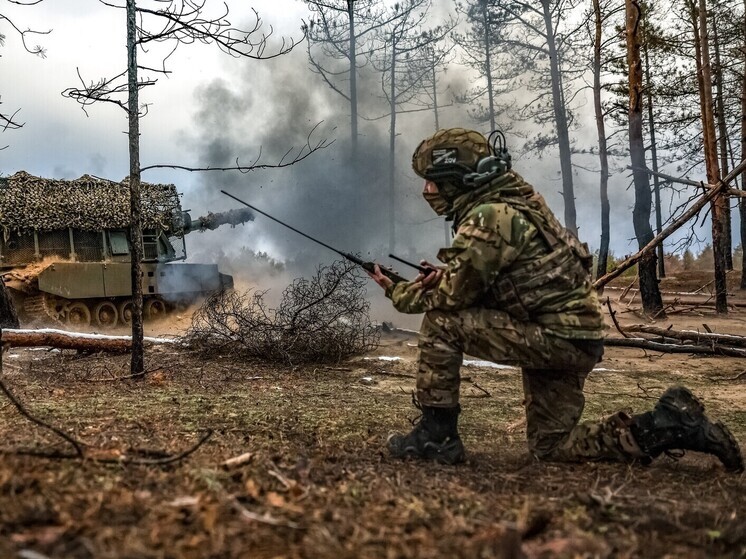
(678,422)
(434,437)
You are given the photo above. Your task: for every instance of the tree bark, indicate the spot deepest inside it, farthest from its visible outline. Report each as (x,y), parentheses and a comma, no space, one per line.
(60,339)
(392,150)
(722,145)
(654,159)
(560,115)
(8,315)
(719,205)
(742,201)
(488,63)
(603,251)
(137,364)
(652,302)
(643,343)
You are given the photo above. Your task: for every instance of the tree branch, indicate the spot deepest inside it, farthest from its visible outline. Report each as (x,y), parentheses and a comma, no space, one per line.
(713,191)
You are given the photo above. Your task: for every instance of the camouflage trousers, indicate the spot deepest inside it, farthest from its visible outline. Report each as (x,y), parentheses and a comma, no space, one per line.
(554,371)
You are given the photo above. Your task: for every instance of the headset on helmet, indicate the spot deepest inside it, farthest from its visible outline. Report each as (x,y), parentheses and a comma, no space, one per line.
(492,166)
(462,159)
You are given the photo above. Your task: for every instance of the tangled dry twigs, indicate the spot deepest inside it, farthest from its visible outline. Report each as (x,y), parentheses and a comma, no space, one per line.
(321,319)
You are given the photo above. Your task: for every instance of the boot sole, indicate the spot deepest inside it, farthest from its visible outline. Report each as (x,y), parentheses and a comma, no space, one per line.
(449,453)
(691,408)
(737,466)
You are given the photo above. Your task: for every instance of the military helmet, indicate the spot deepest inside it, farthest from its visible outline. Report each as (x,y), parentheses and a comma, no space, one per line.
(452,147)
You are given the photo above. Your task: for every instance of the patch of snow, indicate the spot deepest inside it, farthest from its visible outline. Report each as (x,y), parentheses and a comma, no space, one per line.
(489,364)
(604,369)
(382,358)
(88,336)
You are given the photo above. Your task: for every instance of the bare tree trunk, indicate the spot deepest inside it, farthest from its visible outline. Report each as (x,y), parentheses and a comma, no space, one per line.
(723,145)
(8,315)
(719,206)
(488,63)
(392,150)
(137,364)
(560,115)
(654,161)
(353,81)
(652,302)
(742,201)
(435,99)
(603,251)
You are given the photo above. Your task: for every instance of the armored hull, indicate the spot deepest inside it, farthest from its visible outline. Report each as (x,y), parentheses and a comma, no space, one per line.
(65,252)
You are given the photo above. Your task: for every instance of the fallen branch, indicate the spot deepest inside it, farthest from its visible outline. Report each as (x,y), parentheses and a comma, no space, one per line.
(61,339)
(690,335)
(159,461)
(728,379)
(612,314)
(485,393)
(644,343)
(711,193)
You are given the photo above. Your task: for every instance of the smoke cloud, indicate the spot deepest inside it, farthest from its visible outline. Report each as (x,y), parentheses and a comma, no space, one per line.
(325,195)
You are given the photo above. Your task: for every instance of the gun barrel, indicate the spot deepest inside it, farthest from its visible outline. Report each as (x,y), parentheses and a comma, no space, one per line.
(213,220)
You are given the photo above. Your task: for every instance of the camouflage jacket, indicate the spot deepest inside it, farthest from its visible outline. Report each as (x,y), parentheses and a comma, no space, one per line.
(511,253)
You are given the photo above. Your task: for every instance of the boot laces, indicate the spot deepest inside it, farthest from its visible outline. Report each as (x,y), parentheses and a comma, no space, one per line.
(417,405)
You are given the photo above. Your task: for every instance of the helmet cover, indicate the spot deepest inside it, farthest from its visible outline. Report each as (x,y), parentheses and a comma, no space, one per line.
(450,146)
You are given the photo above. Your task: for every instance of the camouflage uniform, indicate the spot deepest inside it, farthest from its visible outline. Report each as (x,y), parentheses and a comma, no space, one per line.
(516,289)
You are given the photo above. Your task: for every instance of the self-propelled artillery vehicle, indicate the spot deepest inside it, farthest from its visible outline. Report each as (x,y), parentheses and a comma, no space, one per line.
(65,250)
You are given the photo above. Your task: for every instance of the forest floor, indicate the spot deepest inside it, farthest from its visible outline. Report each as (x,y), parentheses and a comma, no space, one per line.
(317,482)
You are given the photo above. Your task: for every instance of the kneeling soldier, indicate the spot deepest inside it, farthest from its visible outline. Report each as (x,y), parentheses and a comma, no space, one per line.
(515,288)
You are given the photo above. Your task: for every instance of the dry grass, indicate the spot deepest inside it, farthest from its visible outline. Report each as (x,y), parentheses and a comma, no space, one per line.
(319,484)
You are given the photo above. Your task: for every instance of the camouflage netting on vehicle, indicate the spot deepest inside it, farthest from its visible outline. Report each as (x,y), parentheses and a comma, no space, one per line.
(88,203)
